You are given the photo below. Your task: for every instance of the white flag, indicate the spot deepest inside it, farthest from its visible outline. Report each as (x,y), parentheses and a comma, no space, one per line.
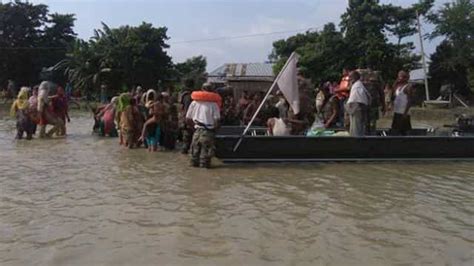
(288,83)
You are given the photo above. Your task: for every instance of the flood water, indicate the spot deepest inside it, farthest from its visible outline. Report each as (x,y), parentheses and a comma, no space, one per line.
(84,200)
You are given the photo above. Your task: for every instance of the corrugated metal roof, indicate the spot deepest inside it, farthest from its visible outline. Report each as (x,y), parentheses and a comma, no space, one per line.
(244,70)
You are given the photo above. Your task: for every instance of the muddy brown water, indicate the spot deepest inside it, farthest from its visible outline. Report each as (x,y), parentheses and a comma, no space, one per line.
(83,200)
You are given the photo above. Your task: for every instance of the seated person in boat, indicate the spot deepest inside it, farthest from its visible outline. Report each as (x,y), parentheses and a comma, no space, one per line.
(251,109)
(330,112)
(277,126)
(282,105)
(299,123)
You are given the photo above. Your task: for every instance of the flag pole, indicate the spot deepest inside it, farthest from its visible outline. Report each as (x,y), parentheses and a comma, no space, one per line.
(261,104)
(425,72)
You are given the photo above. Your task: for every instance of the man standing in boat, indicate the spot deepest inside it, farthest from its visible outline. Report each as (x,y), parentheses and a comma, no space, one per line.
(342,92)
(357,106)
(374,86)
(401,123)
(205,116)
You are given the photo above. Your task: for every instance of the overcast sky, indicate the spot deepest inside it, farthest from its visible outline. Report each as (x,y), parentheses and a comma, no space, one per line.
(189,20)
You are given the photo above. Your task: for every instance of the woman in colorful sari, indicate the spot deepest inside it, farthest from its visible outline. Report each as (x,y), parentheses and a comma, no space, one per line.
(60,109)
(33,100)
(151,132)
(129,119)
(150,98)
(107,119)
(46,113)
(20,109)
(123,120)
(170,125)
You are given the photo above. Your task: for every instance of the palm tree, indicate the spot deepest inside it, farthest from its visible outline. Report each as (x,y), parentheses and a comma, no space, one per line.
(82,67)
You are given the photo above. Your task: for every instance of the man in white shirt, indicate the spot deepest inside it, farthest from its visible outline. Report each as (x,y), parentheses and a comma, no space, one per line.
(357,106)
(205,116)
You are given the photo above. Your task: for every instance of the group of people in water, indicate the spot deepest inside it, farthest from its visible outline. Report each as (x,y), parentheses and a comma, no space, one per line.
(157,120)
(36,107)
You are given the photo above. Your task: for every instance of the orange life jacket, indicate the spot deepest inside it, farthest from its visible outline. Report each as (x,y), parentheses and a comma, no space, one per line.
(206,96)
(343,90)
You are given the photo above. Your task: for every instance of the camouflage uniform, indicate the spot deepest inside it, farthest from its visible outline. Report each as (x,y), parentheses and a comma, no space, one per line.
(187,135)
(186,130)
(374,86)
(373,83)
(202,147)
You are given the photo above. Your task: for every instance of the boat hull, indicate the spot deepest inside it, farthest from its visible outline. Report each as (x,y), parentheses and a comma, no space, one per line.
(371,148)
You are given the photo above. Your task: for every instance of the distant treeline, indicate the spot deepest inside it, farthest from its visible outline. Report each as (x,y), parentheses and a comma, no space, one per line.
(35,44)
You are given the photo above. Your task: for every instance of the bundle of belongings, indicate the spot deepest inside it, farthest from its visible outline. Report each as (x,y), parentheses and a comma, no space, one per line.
(317,129)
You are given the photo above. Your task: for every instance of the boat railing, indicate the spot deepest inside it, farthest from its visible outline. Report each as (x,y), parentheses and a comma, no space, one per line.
(263,131)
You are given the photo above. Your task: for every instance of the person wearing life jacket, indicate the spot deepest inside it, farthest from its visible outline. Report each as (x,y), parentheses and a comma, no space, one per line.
(205,117)
(344,87)
(342,93)
(207,96)
(401,123)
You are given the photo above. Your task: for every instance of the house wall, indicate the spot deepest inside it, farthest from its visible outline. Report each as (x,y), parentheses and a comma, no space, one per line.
(249,86)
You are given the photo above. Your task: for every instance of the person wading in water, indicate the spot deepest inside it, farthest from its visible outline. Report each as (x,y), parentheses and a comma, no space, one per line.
(46,113)
(205,116)
(186,131)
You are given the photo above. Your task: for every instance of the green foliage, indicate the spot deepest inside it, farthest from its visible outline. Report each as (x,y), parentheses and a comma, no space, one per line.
(282,49)
(81,66)
(30,39)
(193,69)
(361,43)
(445,70)
(453,61)
(120,58)
(367,25)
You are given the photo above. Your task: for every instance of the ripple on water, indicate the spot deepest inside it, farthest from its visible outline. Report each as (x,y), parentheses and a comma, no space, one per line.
(84,200)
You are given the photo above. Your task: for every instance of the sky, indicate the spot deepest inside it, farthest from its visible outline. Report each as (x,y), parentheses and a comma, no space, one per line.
(190,20)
